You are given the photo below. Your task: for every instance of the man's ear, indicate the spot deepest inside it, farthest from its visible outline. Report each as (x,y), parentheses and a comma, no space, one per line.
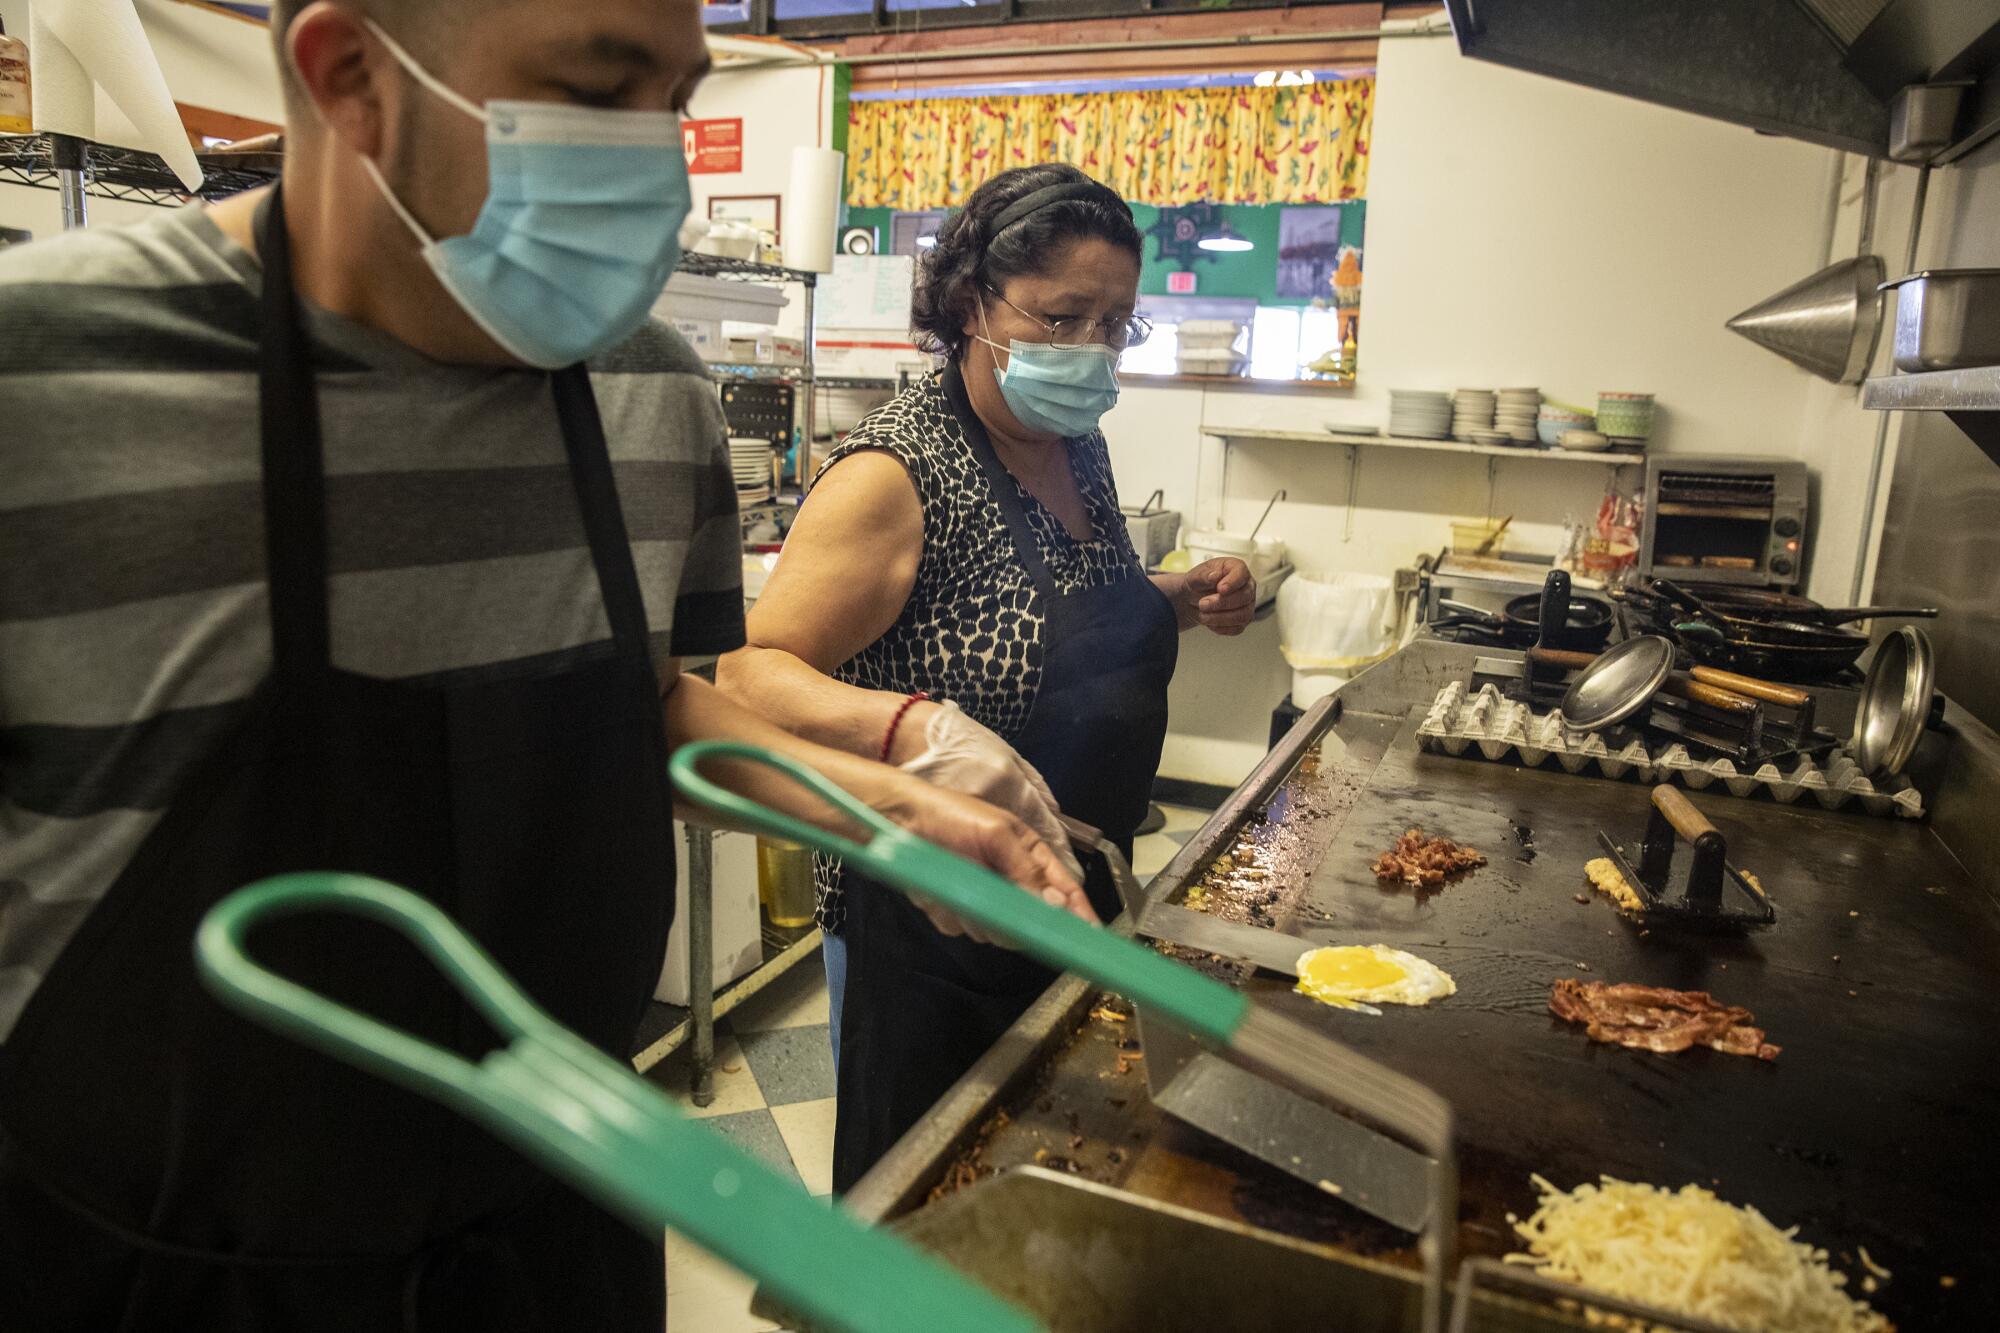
(341,72)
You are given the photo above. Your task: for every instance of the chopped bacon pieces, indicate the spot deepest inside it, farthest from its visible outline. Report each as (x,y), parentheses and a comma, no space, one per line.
(1425,863)
(1651,1018)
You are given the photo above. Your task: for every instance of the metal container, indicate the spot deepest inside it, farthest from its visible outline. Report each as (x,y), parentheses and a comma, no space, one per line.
(1947,318)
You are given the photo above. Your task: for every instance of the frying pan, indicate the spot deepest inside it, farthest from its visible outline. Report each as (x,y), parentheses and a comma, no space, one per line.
(1785,650)
(1587,627)
(1759,603)
(1772,661)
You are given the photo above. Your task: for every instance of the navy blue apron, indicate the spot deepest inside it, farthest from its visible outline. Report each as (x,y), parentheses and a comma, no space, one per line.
(167,1165)
(922,1007)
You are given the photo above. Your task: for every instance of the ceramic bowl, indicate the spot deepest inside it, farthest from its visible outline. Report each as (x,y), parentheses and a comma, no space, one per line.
(1583,441)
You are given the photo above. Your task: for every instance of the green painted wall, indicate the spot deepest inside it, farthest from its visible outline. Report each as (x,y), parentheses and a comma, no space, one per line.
(1252,274)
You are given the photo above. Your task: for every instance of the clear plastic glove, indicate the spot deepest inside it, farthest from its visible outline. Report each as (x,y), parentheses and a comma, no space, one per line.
(966,757)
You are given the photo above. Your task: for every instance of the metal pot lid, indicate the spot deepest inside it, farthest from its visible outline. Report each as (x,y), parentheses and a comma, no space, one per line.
(1619,683)
(1895,702)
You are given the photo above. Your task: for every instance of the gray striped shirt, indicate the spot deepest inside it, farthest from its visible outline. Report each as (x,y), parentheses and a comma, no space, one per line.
(133,617)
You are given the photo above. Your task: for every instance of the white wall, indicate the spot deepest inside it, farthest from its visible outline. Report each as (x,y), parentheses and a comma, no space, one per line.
(1521,231)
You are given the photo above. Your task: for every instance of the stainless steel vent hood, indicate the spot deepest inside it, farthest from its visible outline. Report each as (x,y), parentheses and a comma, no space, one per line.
(1822,70)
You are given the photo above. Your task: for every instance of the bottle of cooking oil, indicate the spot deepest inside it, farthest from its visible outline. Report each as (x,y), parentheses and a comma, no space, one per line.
(16,108)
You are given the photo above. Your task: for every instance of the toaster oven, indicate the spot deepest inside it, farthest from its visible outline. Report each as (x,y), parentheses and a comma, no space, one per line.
(1725,520)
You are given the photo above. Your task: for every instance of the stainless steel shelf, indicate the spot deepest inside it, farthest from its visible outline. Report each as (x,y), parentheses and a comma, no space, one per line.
(1531,453)
(132,176)
(742,270)
(1972,389)
(750,372)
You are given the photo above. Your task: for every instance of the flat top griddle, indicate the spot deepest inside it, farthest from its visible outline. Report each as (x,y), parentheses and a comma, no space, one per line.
(1881,980)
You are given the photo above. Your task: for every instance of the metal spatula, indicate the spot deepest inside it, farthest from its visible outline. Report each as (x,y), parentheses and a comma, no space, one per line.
(1278,1047)
(591,1120)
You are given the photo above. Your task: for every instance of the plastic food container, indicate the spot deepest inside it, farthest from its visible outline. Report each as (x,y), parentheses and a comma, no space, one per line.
(1468,534)
(1947,318)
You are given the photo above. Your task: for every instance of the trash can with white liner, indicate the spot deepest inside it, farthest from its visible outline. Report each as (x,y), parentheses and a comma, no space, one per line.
(738,931)
(1331,626)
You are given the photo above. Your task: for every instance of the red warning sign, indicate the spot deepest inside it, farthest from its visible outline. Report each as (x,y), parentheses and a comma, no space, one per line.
(713,147)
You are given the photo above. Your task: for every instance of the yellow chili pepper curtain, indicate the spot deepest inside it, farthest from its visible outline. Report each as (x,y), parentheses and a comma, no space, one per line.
(1299,145)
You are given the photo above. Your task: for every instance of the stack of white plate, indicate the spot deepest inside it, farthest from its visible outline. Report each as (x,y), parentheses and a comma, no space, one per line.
(750,461)
(1471,410)
(1515,414)
(1419,414)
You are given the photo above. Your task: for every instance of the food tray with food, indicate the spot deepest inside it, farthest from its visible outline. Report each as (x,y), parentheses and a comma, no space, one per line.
(1485,723)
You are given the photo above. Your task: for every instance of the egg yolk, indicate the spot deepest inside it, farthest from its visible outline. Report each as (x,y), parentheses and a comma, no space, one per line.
(1350,968)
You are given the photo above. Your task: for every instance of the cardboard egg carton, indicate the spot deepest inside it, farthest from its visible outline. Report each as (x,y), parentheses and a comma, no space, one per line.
(1488,724)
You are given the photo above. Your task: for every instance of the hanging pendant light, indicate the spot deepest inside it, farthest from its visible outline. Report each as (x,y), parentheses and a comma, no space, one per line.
(1227,239)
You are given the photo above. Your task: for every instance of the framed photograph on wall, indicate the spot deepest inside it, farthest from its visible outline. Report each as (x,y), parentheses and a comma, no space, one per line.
(762,211)
(1308,251)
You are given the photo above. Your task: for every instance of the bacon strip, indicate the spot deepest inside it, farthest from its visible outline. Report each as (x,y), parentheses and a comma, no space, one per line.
(1425,863)
(1651,1018)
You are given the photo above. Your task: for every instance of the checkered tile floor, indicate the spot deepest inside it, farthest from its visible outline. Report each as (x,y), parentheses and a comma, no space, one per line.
(774,1097)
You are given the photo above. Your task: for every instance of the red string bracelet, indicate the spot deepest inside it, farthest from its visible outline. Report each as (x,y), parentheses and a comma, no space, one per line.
(889,741)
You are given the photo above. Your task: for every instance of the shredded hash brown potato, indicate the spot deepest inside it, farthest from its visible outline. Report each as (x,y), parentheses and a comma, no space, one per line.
(1604,877)
(1690,1253)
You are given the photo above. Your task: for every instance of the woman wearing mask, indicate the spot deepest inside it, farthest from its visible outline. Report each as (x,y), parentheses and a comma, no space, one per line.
(959,597)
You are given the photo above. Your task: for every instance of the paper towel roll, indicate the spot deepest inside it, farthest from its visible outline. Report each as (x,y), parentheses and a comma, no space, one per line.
(812,208)
(75,46)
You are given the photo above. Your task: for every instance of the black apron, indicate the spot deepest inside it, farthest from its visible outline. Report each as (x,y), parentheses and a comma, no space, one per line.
(922,1007)
(168,1165)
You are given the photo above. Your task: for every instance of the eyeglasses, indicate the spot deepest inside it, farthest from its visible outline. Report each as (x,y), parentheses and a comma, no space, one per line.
(1118,334)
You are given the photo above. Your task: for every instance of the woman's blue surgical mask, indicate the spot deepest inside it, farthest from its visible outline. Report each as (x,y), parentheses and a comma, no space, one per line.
(1061,390)
(580,229)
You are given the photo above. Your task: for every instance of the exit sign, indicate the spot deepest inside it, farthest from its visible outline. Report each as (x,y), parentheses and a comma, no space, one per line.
(1180,284)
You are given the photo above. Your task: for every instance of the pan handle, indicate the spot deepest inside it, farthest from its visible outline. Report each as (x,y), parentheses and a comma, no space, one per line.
(1562,659)
(1687,821)
(1554,606)
(1782,695)
(1842,615)
(1725,701)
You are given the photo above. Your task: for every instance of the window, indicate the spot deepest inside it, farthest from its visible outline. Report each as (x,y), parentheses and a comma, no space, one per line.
(1274,343)
(1158,355)
(913,233)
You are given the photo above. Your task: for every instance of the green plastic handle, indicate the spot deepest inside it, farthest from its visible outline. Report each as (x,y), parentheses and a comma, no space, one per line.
(902,860)
(592,1120)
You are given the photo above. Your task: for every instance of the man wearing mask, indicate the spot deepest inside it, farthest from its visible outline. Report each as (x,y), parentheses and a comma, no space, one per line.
(321,549)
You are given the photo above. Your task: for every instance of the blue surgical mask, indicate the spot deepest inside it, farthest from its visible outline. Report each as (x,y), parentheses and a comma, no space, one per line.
(1062,390)
(580,229)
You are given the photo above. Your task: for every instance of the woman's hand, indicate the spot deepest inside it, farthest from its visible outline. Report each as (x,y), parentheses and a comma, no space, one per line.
(1220,595)
(940,744)
(985,834)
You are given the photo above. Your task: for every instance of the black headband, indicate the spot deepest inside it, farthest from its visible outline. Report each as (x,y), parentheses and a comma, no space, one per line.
(1035,201)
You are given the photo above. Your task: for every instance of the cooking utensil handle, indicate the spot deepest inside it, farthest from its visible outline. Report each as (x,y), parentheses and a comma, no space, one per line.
(1561,658)
(1782,695)
(898,858)
(590,1119)
(1841,615)
(1720,699)
(1689,822)
(1554,607)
